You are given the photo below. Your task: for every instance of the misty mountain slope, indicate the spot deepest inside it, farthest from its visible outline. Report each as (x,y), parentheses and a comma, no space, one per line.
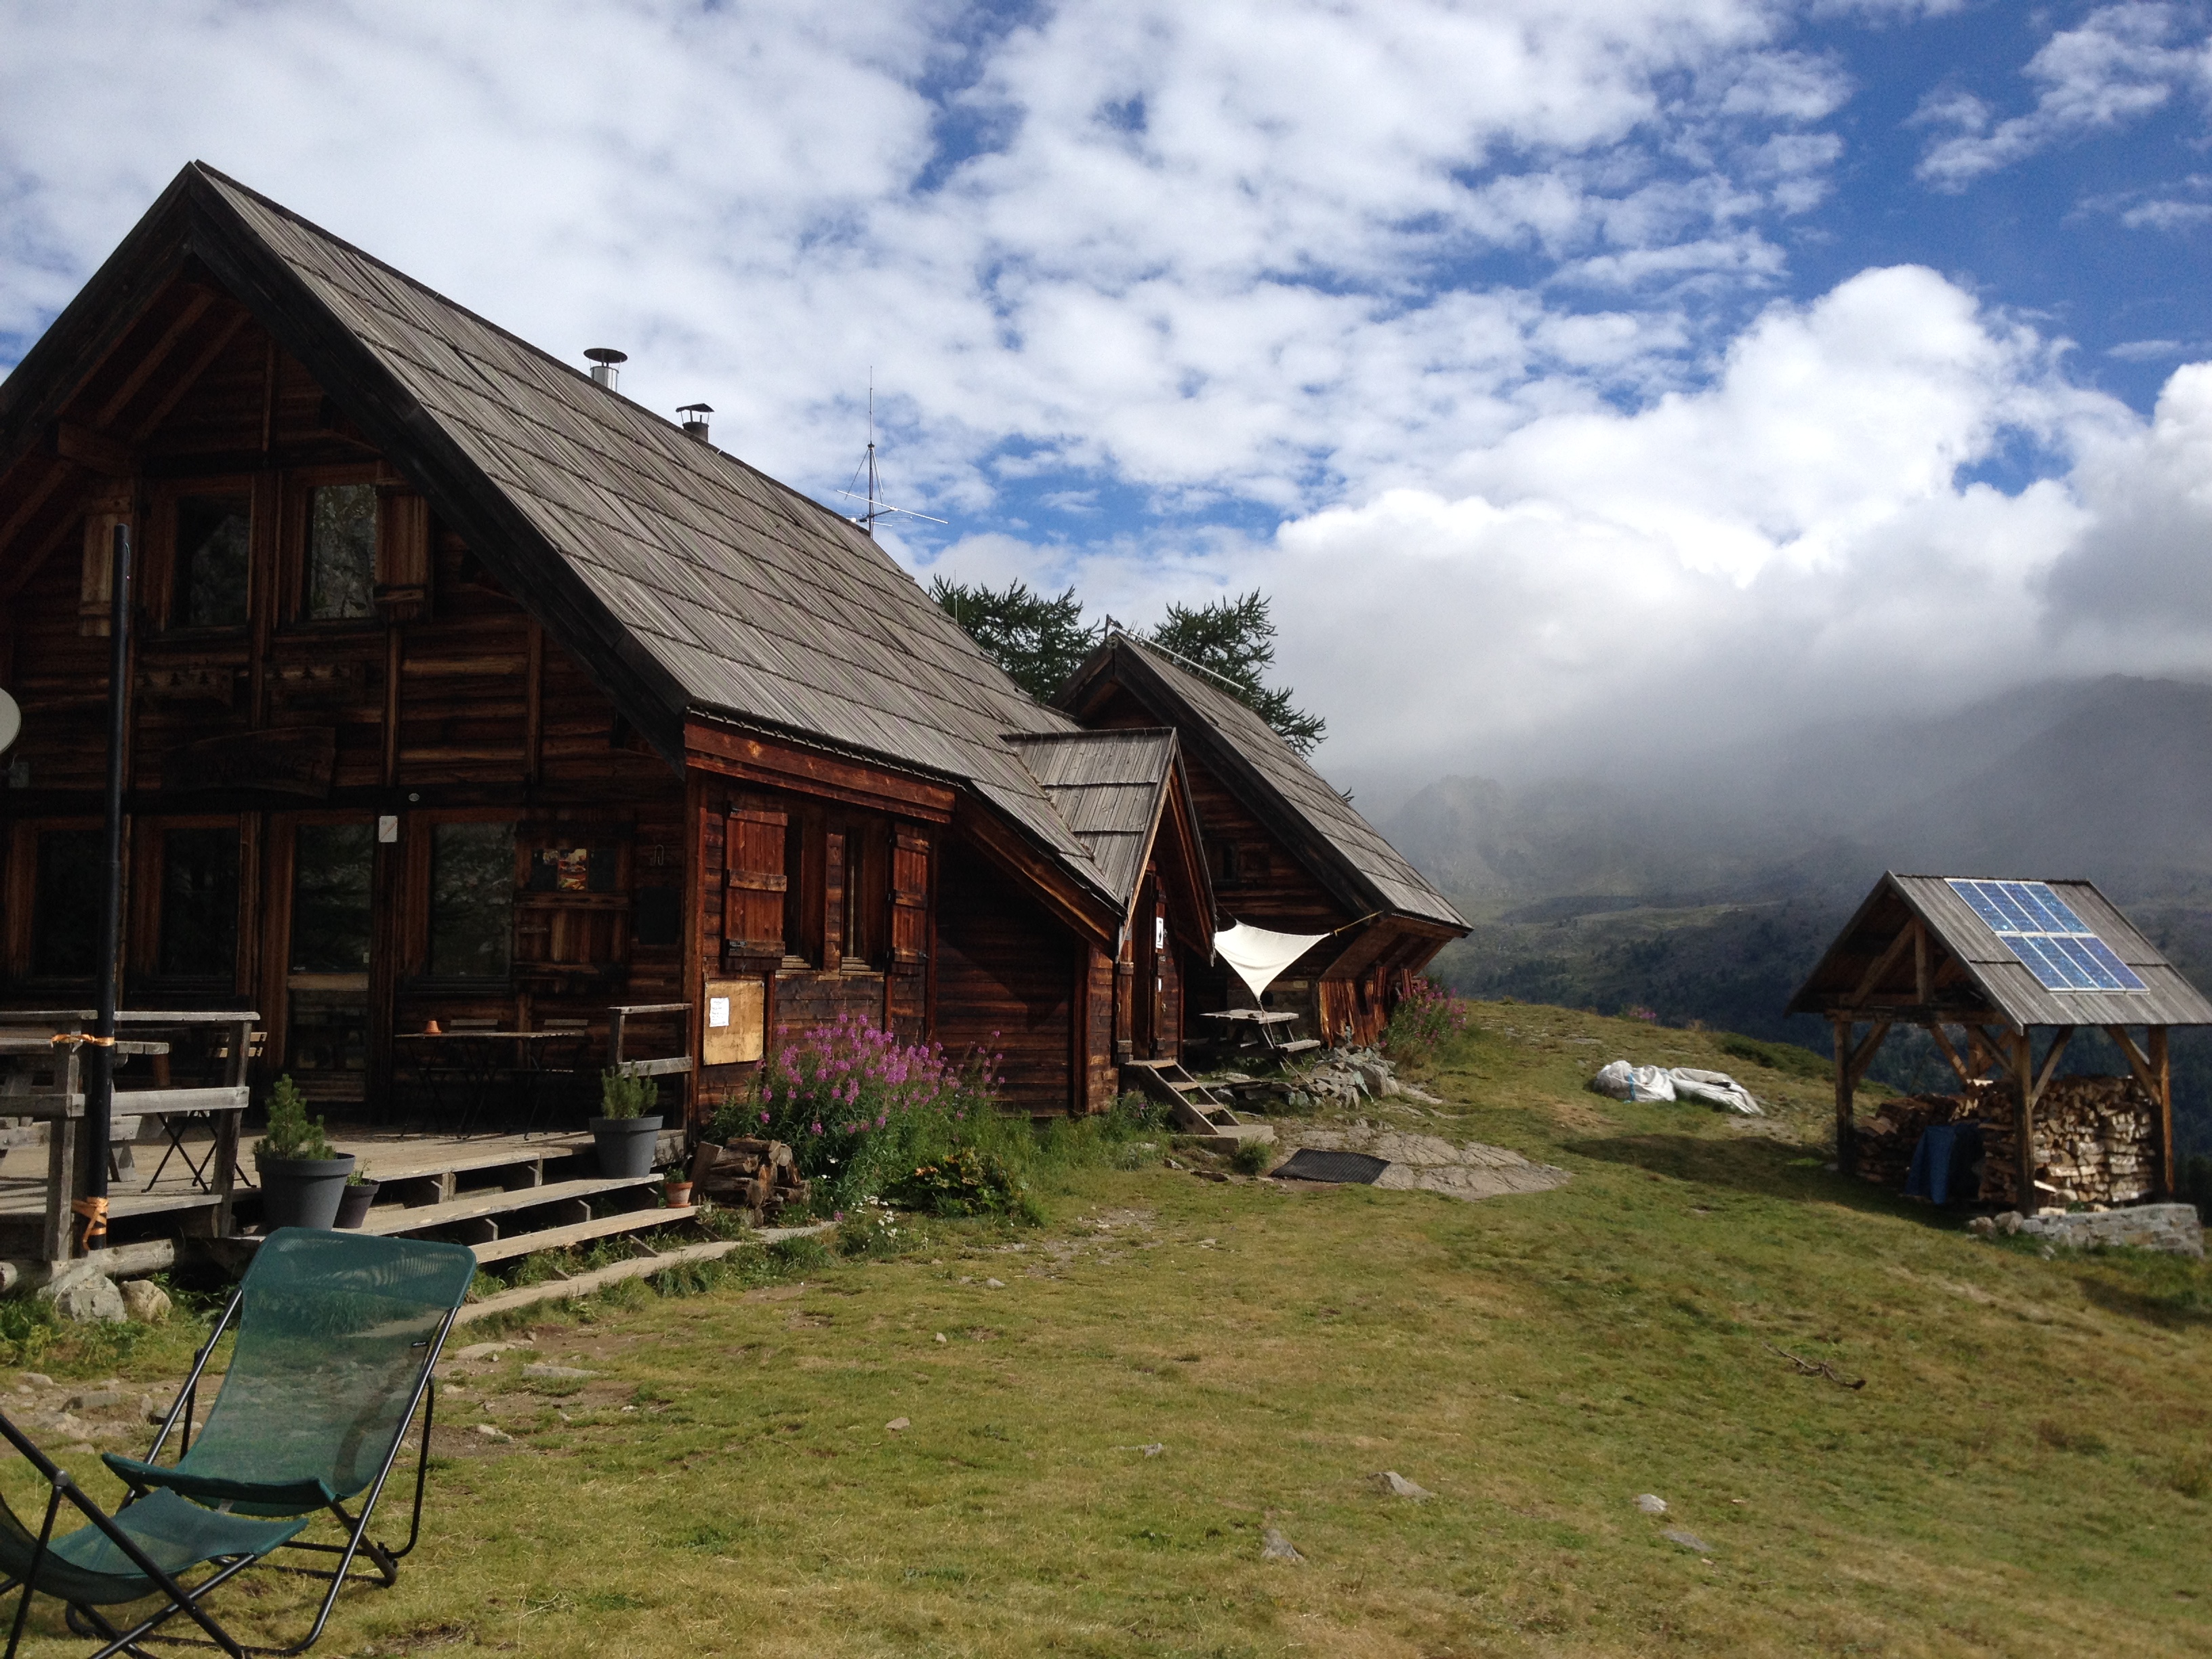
(1711,897)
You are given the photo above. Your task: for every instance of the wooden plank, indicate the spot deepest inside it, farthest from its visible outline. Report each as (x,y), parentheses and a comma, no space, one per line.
(2161,1068)
(389,1219)
(1847,1151)
(2051,1061)
(94,451)
(585,1284)
(227,1098)
(1882,964)
(1943,1047)
(785,766)
(2023,1051)
(133,383)
(509,1245)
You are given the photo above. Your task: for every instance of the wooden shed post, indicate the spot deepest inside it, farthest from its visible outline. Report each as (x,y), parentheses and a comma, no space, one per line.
(1846,1129)
(2023,1071)
(2161,1071)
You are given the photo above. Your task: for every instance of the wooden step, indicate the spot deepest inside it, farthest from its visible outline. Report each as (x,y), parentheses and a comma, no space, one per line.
(508,1246)
(389,1219)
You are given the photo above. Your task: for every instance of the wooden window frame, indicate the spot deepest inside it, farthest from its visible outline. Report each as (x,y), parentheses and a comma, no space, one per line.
(147,864)
(22,893)
(417,838)
(299,485)
(156,574)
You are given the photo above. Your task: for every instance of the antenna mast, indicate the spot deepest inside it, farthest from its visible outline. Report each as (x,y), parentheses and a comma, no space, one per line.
(877,506)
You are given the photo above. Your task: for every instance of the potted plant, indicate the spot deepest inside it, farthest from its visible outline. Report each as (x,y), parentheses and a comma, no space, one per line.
(625,1132)
(680,1190)
(302,1176)
(359,1194)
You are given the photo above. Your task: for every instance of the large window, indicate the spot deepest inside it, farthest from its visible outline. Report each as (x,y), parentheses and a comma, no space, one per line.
(200,904)
(213,537)
(471,900)
(340,551)
(65,904)
(331,864)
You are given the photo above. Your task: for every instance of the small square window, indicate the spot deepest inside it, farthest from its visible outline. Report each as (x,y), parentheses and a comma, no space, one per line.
(340,551)
(212,541)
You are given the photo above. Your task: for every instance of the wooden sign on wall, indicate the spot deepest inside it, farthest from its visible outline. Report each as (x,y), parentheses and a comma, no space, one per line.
(735,1023)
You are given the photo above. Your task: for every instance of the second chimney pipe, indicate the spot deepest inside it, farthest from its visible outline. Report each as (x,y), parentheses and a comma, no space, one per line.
(695,421)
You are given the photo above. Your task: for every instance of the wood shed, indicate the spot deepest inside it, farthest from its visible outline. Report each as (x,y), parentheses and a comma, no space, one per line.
(2002,973)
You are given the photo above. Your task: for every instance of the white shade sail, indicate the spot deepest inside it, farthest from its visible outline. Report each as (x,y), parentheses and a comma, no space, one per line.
(1258,955)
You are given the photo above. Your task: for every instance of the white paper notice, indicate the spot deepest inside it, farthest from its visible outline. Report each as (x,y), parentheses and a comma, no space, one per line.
(718,1011)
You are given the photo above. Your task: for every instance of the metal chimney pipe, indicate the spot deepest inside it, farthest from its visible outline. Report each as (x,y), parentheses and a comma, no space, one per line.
(604,358)
(695,421)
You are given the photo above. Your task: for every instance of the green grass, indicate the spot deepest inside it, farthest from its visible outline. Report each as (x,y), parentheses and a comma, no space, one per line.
(2027,1469)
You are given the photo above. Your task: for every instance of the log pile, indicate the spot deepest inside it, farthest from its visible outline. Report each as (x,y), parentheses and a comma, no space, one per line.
(758,1177)
(2094,1142)
(1885,1146)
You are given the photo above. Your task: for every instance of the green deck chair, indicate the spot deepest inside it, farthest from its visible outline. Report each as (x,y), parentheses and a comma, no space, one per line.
(338,1335)
(127,1557)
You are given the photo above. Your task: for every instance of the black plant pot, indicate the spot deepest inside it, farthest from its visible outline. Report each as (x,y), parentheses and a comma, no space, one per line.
(624,1145)
(301,1191)
(353,1202)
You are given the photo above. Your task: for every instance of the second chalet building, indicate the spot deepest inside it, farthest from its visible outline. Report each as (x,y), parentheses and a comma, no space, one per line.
(464,688)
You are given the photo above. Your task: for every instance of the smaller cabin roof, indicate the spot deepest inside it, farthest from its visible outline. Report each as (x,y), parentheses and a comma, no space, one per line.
(1924,949)
(1108,787)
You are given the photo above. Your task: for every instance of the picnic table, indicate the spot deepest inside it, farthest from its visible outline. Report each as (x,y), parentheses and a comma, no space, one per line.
(1266,1029)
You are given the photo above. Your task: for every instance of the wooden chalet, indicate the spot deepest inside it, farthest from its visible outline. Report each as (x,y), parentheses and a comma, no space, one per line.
(465,690)
(1999,961)
(1284,850)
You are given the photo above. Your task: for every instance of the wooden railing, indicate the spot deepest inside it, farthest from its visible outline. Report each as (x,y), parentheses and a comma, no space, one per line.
(44,1039)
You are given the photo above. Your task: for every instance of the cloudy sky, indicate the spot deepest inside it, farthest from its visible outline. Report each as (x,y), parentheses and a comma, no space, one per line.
(1581,376)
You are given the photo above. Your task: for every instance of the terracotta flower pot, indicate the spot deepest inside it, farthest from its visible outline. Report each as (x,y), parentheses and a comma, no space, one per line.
(679,1194)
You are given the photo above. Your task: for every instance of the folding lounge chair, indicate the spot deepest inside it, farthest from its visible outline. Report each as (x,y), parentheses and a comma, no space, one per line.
(338,1335)
(143,1551)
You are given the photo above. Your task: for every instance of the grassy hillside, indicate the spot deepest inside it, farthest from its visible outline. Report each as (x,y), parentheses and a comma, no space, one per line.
(1095,1446)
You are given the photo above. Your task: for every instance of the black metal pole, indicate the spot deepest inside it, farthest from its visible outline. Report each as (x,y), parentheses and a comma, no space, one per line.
(99,1092)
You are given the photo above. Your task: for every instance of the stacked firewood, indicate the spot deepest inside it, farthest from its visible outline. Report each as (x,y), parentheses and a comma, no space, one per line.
(2094,1142)
(1885,1146)
(756,1176)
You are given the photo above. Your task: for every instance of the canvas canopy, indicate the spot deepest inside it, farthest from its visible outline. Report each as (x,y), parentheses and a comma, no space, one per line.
(1259,955)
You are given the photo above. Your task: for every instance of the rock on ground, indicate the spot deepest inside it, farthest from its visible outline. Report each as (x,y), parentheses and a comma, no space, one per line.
(1651,1503)
(1687,1540)
(91,1300)
(1432,1163)
(145,1302)
(1276,1547)
(1398,1487)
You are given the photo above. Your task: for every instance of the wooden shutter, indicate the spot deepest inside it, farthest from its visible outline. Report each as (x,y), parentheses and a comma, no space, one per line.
(910,896)
(754,883)
(833,900)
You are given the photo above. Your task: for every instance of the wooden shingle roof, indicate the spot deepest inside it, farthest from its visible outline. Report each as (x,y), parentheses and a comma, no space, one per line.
(688,584)
(1108,787)
(1345,851)
(1872,971)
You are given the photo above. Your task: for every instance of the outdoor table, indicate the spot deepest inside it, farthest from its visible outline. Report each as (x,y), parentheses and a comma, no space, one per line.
(473,1059)
(1263,1021)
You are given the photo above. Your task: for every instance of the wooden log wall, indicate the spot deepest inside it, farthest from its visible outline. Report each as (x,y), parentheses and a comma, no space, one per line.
(445,702)
(1007,976)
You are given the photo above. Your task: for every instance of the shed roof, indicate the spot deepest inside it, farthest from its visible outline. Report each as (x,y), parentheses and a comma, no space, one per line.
(1871,973)
(1275,782)
(687,582)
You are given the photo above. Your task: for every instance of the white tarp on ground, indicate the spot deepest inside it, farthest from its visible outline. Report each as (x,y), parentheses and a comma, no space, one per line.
(1258,955)
(1624,1082)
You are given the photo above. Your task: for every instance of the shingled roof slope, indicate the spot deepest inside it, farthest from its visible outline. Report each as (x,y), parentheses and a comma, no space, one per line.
(1106,786)
(697,581)
(1271,777)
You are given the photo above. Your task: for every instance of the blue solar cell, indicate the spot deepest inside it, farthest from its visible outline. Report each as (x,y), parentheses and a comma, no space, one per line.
(2122,975)
(2041,929)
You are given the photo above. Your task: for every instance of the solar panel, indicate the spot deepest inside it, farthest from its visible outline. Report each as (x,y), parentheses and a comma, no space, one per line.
(2040,928)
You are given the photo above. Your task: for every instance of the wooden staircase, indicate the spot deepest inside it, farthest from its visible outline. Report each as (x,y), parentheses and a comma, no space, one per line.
(1201,1112)
(502,1195)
